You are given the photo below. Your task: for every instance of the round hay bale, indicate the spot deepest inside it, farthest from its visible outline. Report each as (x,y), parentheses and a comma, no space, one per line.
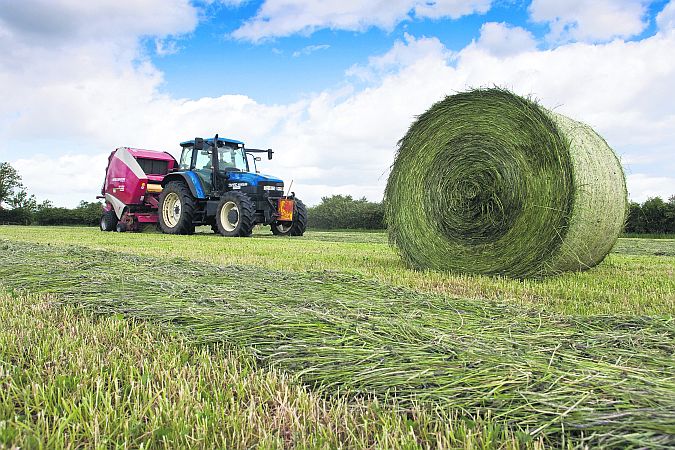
(487,182)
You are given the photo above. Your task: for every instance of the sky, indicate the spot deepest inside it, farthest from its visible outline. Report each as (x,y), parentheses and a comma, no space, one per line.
(330,85)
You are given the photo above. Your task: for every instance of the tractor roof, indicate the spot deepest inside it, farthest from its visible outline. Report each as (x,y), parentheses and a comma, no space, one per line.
(210,140)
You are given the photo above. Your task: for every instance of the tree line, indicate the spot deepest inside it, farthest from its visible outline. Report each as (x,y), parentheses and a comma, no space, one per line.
(17,206)
(343,212)
(652,216)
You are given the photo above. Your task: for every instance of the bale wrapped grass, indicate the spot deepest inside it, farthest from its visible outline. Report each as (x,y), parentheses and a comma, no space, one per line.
(487,182)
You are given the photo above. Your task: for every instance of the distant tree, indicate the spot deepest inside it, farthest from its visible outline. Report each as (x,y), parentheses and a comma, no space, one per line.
(635,222)
(23,200)
(670,215)
(10,184)
(89,213)
(343,212)
(44,205)
(86,214)
(16,205)
(655,215)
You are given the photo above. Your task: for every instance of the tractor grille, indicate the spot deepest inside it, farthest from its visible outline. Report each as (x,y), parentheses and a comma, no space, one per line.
(267,189)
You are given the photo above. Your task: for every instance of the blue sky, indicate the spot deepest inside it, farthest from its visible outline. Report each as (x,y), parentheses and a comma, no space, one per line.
(331,85)
(281,70)
(286,69)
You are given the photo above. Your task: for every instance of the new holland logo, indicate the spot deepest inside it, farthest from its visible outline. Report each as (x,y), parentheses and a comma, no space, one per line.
(237,185)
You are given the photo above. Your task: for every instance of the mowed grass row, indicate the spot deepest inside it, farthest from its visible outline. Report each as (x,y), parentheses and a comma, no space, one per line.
(70,379)
(604,380)
(640,279)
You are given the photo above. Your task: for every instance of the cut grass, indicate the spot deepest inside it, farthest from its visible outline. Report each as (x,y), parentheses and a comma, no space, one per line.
(69,379)
(625,283)
(606,380)
(649,235)
(643,246)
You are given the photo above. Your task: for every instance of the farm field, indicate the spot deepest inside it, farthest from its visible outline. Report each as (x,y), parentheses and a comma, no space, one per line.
(325,340)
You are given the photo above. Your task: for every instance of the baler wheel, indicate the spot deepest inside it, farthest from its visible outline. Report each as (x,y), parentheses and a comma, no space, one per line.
(235,216)
(176,209)
(295,228)
(108,221)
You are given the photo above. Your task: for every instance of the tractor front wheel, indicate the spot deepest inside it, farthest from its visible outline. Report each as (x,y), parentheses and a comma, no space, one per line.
(235,216)
(295,228)
(176,209)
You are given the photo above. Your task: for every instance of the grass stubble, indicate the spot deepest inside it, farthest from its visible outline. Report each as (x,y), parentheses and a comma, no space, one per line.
(561,379)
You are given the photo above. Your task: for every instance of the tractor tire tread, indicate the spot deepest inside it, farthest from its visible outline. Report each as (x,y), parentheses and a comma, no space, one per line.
(246,214)
(188,206)
(299,224)
(300,220)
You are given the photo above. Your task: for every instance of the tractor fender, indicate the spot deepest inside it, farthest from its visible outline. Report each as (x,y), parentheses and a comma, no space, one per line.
(190,179)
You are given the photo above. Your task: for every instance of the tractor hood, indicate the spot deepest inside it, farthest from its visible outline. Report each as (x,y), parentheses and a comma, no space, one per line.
(251,178)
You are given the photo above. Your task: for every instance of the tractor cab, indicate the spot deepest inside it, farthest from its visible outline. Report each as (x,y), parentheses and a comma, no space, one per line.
(197,156)
(215,160)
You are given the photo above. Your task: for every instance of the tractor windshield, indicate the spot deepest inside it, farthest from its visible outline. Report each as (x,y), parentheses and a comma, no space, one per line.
(229,158)
(232,158)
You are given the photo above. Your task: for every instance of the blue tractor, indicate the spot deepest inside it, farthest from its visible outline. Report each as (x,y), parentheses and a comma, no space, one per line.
(215,185)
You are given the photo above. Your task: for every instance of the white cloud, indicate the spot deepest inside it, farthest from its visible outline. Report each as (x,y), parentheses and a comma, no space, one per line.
(230,3)
(277,18)
(666,18)
(404,53)
(590,20)
(164,47)
(502,39)
(450,8)
(643,186)
(310,49)
(63,179)
(86,98)
(53,22)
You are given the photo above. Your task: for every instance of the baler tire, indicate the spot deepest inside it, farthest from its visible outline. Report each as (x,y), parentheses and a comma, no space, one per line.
(108,221)
(298,226)
(187,205)
(245,209)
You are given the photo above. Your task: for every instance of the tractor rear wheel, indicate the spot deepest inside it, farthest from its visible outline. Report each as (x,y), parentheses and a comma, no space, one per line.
(176,209)
(235,216)
(295,228)
(108,221)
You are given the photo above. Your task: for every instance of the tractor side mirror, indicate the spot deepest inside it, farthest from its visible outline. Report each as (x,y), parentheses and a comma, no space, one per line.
(269,153)
(199,143)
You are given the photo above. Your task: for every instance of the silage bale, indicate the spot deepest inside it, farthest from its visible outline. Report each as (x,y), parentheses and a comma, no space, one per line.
(487,182)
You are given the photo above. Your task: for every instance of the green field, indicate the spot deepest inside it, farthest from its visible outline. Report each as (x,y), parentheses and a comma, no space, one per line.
(324,341)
